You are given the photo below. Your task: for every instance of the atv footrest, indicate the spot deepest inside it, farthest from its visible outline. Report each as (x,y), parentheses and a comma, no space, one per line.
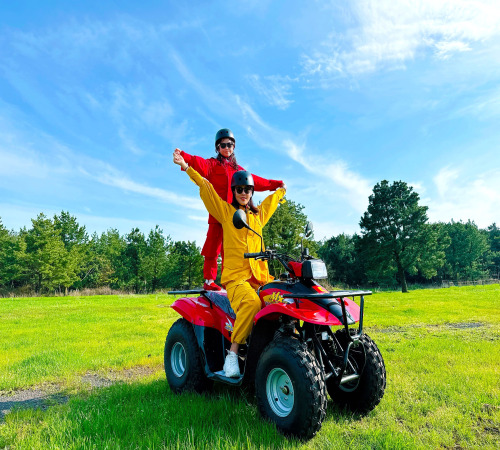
(221,376)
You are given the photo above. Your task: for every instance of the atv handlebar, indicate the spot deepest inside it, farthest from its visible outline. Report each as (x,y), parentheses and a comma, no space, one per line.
(254,255)
(268,254)
(271,255)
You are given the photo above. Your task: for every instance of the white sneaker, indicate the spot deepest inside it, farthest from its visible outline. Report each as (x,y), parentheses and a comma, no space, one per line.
(231,366)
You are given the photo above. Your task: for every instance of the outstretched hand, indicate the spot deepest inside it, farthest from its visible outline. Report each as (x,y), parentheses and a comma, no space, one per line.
(179,160)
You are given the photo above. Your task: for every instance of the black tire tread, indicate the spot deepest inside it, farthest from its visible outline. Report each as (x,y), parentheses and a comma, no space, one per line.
(372,383)
(312,376)
(195,380)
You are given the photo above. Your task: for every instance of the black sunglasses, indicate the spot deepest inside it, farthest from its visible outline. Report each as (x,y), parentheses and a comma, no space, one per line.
(240,189)
(226,144)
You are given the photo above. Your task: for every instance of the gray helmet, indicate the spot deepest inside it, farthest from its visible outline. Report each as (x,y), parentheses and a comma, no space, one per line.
(242,178)
(224,133)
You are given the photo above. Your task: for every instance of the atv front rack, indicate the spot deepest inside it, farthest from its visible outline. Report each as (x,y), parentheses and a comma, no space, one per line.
(332,306)
(322,299)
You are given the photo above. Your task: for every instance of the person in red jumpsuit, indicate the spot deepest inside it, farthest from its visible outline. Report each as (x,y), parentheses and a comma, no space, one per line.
(219,171)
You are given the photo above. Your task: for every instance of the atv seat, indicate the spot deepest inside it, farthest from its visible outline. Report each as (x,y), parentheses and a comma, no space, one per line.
(221,301)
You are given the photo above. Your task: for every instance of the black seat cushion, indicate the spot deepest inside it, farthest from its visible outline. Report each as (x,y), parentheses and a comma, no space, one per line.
(221,301)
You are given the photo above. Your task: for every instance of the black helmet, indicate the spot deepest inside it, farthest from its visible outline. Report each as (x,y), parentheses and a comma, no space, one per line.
(224,133)
(242,178)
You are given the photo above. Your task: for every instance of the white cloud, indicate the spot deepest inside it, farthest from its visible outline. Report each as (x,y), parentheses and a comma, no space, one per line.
(355,188)
(54,164)
(116,179)
(485,106)
(417,187)
(14,165)
(326,230)
(388,33)
(254,123)
(462,196)
(274,89)
(445,49)
(199,218)
(444,180)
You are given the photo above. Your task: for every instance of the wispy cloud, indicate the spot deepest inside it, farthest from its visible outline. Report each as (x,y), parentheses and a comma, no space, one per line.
(387,34)
(54,163)
(484,106)
(114,178)
(326,230)
(274,89)
(13,165)
(198,218)
(116,41)
(54,71)
(445,180)
(354,187)
(464,196)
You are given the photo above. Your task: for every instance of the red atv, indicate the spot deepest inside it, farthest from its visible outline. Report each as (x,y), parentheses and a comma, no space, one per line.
(293,357)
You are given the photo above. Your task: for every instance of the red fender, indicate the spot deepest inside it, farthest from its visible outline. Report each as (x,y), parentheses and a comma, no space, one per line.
(198,311)
(195,310)
(307,311)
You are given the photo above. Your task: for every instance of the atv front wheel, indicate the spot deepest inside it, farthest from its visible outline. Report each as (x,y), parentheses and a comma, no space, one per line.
(290,388)
(183,360)
(363,394)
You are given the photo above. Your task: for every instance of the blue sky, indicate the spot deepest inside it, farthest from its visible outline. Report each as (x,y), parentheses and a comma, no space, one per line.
(330,96)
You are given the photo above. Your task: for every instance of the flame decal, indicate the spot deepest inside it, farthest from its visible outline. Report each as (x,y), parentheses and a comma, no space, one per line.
(229,326)
(275,297)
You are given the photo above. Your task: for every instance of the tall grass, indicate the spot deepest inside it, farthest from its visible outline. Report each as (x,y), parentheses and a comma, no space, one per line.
(441,349)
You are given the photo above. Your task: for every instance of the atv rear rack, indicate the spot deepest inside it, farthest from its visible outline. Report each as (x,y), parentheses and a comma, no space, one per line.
(189,291)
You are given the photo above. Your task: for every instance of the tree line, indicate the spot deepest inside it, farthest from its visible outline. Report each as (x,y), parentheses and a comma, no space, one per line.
(57,254)
(397,245)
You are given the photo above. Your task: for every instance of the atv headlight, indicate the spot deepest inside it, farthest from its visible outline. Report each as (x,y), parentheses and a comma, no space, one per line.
(314,268)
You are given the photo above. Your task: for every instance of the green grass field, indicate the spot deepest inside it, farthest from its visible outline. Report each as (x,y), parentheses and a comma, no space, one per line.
(441,349)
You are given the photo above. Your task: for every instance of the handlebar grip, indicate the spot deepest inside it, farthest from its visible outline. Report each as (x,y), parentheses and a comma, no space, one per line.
(252,255)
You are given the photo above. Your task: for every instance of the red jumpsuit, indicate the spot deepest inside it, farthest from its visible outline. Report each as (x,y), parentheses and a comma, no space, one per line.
(220,174)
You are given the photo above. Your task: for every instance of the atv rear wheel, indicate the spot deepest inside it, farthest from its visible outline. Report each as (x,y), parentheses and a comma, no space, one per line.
(183,360)
(363,394)
(290,388)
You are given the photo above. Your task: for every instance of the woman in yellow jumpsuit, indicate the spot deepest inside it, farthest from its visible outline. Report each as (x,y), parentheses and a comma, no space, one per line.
(240,276)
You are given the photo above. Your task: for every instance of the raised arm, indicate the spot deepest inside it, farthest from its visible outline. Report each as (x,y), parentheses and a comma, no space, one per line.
(196,162)
(214,204)
(269,205)
(263,184)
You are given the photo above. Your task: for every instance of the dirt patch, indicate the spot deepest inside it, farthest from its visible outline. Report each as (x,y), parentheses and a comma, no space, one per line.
(458,325)
(486,407)
(463,325)
(30,398)
(42,397)
(487,424)
(98,380)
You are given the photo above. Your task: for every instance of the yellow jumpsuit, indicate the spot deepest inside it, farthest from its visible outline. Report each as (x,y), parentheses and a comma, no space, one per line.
(240,276)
